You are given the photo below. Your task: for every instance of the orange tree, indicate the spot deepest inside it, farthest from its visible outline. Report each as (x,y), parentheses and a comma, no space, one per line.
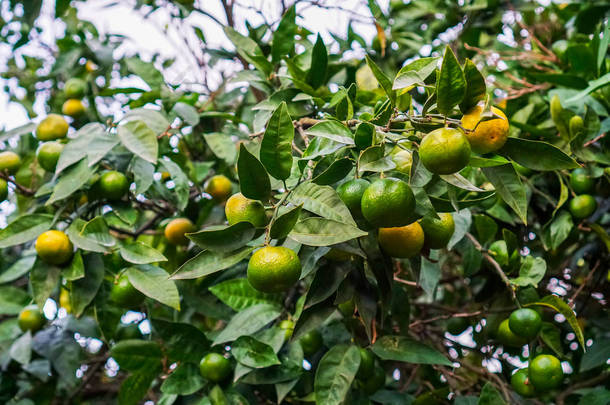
(424,224)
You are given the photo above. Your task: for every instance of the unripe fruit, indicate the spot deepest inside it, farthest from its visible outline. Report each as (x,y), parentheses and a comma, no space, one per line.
(242,209)
(48,154)
(577,126)
(273,269)
(214,367)
(545,372)
(125,294)
(113,185)
(3,190)
(9,162)
(30,319)
(445,151)
(53,127)
(582,206)
(75,88)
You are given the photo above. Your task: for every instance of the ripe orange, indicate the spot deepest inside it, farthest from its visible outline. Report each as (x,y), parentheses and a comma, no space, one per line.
(9,162)
(73,107)
(242,209)
(403,242)
(219,187)
(53,127)
(54,247)
(490,135)
(176,229)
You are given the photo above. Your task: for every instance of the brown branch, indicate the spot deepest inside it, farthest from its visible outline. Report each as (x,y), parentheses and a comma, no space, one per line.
(592,141)
(568,391)
(23,190)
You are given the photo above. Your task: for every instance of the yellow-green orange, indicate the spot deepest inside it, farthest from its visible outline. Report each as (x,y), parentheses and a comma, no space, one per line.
(403,242)
(54,247)
(30,319)
(53,127)
(388,202)
(48,155)
(507,337)
(3,190)
(75,88)
(582,206)
(545,372)
(351,193)
(445,151)
(113,185)
(176,229)
(521,383)
(242,209)
(9,162)
(73,107)
(525,322)
(219,187)
(274,269)
(489,135)
(124,293)
(214,367)
(437,231)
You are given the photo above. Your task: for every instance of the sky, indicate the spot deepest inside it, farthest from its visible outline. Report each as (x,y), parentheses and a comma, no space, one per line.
(147,35)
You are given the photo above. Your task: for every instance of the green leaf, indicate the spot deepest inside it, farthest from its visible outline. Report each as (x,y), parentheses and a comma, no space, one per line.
(97,231)
(24,229)
(154,119)
(181,188)
(556,303)
(333,130)
(335,374)
(384,81)
(283,37)
(83,242)
(451,84)
(78,148)
(597,355)
(593,85)
(475,86)
(208,262)
(321,200)
(508,185)
(223,238)
(402,348)
(139,139)
(430,273)
(276,147)
(337,170)
(558,230)
(71,180)
(285,222)
(146,71)
(76,269)
(374,159)
(182,341)
(537,155)
(315,231)
(252,353)
(249,50)
(154,282)
(551,336)
(254,182)
(12,300)
(21,349)
(84,290)
(316,76)
(134,388)
(247,322)
(312,318)
(140,253)
(137,355)
(17,269)
(143,174)
(415,73)
(490,396)
(486,228)
(531,272)
(184,380)
(239,294)
(187,113)
(222,146)
(44,279)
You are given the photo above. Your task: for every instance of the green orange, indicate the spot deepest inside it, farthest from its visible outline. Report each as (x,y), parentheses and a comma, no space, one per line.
(388,202)
(124,293)
(176,229)
(351,193)
(367,364)
(3,190)
(128,331)
(30,318)
(54,247)
(274,269)
(9,162)
(545,372)
(581,181)
(525,322)
(375,382)
(241,209)
(219,187)
(456,326)
(499,251)
(403,159)
(403,241)
(54,126)
(437,231)
(214,367)
(113,185)
(521,383)
(582,206)
(311,342)
(507,337)
(489,135)
(48,154)
(75,88)
(445,151)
